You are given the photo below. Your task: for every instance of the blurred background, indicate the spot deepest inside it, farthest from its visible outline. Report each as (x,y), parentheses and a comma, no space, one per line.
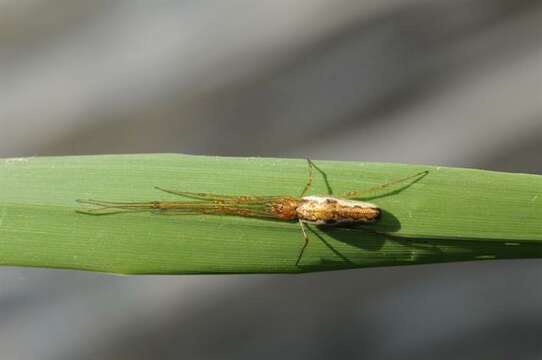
(456,83)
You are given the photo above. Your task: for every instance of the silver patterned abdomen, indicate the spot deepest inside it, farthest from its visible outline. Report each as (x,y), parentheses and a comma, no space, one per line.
(327,210)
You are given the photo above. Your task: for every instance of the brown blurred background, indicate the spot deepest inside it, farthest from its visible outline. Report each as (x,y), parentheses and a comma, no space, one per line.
(455,83)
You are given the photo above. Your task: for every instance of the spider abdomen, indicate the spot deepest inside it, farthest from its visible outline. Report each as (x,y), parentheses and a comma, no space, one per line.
(327,210)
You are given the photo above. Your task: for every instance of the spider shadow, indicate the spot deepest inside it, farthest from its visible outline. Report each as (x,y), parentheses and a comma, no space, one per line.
(367,240)
(367,237)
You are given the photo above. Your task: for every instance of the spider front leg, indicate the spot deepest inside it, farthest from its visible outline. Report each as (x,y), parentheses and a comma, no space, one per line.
(194,195)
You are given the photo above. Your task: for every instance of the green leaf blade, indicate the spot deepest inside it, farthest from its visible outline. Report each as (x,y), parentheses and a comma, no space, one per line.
(449,215)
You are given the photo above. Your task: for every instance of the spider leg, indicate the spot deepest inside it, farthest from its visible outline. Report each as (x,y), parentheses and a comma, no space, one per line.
(304,245)
(309,180)
(239,199)
(195,195)
(356,194)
